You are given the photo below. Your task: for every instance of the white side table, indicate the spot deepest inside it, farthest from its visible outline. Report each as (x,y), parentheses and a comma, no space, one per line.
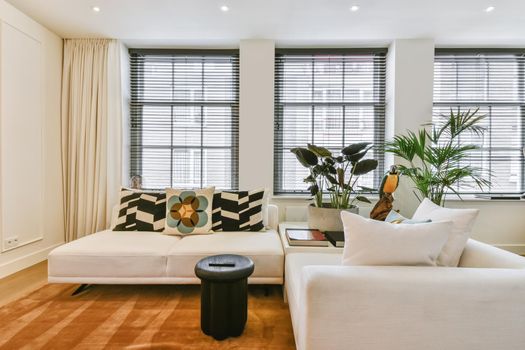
(303,249)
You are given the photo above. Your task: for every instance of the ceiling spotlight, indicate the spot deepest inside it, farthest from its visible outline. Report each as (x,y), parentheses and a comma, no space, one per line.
(225,8)
(490,9)
(95,9)
(354,8)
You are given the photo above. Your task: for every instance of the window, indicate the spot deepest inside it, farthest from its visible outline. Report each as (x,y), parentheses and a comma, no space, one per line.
(185,118)
(494,82)
(330,98)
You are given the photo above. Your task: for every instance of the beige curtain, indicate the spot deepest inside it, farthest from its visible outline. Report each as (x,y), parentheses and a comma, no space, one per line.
(91,133)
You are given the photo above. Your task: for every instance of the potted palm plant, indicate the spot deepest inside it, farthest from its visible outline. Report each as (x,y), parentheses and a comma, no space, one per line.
(435,157)
(335,177)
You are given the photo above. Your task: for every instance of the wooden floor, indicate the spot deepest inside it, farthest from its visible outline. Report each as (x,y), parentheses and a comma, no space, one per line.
(38,315)
(22,283)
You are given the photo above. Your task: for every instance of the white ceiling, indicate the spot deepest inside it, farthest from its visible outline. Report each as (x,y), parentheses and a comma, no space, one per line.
(289,22)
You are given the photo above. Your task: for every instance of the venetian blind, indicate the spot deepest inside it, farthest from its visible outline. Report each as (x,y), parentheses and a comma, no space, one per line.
(184,118)
(493,81)
(331,98)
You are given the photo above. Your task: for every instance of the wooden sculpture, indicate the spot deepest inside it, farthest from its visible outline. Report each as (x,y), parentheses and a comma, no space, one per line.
(385,203)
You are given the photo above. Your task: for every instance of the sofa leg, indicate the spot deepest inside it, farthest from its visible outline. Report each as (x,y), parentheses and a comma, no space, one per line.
(266,290)
(80,289)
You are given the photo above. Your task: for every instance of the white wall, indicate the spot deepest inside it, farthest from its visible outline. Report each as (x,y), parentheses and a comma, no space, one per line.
(31,181)
(410,75)
(410,66)
(256,113)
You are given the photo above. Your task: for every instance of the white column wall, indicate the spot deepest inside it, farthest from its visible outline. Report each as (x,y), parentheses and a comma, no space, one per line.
(256,114)
(410,75)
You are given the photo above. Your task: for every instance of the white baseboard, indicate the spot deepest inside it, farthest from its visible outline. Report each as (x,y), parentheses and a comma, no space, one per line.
(25,261)
(514,248)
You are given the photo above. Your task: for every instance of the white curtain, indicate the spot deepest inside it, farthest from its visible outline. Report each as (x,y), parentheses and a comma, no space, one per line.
(91,133)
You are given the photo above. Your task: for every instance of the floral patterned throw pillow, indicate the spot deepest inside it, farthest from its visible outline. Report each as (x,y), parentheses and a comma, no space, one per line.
(188,211)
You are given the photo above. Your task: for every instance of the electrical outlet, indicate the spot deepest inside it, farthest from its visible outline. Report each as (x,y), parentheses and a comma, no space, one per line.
(11,242)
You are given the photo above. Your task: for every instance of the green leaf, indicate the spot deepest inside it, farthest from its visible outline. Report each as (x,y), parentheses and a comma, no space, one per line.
(306,157)
(356,157)
(314,189)
(356,148)
(309,179)
(364,166)
(404,146)
(332,179)
(329,160)
(319,151)
(363,199)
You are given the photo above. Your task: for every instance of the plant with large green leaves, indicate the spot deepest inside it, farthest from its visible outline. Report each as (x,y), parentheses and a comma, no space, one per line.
(435,156)
(336,175)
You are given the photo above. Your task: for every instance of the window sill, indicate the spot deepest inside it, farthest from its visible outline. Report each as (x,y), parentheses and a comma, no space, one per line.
(374,197)
(290,196)
(473,198)
(278,197)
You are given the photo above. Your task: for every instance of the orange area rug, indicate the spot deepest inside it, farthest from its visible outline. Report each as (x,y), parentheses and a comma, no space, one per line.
(135,317)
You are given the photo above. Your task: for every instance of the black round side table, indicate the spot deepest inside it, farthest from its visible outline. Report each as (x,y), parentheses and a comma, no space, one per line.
(224,294)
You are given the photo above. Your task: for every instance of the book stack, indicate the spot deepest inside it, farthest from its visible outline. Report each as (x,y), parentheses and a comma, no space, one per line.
(337,238)
(314,237)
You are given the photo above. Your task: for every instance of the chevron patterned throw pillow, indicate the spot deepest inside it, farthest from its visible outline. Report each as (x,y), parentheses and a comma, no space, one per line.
(141,211)
(238,211)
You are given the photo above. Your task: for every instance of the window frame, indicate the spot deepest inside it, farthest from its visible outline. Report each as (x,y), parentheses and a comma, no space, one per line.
(379,110)
(137,104)
(520,104)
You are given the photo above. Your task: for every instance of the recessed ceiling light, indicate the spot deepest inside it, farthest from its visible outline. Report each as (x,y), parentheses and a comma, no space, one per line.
(354,8)
(225,8)
(95,9)
(490,9)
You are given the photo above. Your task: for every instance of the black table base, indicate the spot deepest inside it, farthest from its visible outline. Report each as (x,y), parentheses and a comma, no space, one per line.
(224,294)
(224,308)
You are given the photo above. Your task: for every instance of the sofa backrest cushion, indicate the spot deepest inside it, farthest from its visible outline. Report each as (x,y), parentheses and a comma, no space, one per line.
(141,211)
(375,243)
(462,222)
(238,210)
(188,212)
(482,255)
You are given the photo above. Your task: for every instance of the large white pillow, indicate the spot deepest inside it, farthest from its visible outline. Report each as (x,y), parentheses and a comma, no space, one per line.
(371,242)
(462,222)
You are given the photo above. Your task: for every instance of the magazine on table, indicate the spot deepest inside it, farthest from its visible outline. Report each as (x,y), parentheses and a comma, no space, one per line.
(306,237)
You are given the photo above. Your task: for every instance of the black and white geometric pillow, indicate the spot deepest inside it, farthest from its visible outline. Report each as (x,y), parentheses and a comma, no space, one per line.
(141,211)
(238,211)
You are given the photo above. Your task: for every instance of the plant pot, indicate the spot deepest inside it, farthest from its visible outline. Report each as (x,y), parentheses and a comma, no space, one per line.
(327,219)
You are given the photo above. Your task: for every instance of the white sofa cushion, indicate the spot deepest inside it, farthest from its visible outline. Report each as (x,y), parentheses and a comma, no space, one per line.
(462,222)
(293,282)
(113,254)
(373,243)
(264,248)
(482,255)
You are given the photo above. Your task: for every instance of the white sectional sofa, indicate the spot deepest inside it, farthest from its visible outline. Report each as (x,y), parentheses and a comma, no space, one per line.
(120,257)
(478,306)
